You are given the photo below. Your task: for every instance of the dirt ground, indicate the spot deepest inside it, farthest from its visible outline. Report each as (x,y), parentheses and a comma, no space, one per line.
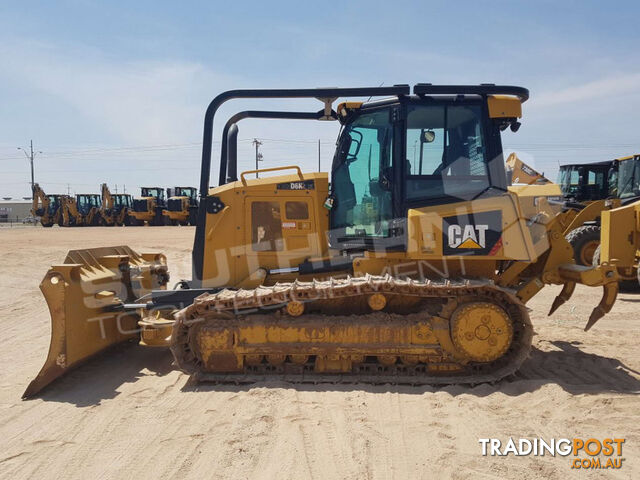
(128,413)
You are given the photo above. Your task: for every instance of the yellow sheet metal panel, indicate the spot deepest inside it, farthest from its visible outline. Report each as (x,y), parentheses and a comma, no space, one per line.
(504,106)
(270,223)
(619,229)
(487,228)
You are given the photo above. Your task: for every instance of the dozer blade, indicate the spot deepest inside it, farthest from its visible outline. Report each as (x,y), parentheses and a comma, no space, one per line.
(81,295)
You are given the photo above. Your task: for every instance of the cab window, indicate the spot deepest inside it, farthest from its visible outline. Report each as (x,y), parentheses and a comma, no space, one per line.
(266,227)
(361,177)
(445,151)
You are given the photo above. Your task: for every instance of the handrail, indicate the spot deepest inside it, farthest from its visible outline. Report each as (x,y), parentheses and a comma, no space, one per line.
(272,169)
(229,172)
(482,89)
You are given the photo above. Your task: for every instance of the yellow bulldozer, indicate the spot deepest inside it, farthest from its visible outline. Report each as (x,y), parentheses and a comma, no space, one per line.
(414,267)
(115,207)
(149,207)
(83,210)
(182,206)
(47,207)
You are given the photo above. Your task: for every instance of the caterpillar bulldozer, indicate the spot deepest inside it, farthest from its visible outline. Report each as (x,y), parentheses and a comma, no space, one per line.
(414,267)
(47,207)
(83,210)
(148,207)
(115,207)
(182,206)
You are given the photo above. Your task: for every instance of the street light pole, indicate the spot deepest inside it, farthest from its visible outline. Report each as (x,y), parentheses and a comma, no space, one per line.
(30,156)
(257,143)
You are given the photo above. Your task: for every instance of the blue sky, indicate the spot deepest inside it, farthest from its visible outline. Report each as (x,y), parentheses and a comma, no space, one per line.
(116,91)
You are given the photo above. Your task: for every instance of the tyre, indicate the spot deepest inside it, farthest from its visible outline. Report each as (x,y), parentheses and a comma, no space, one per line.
(629,281)
(584,241)
(193,216)
(159,219)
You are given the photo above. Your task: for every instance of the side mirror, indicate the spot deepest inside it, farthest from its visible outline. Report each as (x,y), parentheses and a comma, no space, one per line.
(428,136)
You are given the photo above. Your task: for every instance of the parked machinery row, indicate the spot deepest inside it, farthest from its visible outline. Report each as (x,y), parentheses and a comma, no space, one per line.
(90,209)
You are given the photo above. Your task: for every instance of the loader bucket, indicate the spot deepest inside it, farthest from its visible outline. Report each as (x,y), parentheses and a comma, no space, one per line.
(83,294)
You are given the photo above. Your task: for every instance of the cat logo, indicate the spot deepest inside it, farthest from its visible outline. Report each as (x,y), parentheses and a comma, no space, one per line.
(471,236)
(477,233)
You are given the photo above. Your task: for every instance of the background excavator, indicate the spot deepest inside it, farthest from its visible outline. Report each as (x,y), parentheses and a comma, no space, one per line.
(521,173)
(82,210)
(414,267)
(47,207)
(182,206)
(115,207)
(148,207)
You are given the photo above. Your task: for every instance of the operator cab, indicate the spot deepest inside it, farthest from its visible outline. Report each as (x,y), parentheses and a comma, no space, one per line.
(85,202)
(585,182)
(154,192)
(121,200)
(410,152)
(54,203)
(189,192)
(628,178)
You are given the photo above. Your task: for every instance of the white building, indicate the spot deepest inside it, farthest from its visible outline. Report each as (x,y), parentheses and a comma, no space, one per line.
(14,210)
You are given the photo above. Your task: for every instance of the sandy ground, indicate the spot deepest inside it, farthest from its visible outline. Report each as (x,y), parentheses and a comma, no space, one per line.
(130,414)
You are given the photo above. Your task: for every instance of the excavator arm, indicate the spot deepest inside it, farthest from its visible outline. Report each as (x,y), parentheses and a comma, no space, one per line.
(70,213)
(40,206)
(107,209)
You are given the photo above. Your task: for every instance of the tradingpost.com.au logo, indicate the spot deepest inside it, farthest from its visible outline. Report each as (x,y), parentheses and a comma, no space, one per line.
(590,453)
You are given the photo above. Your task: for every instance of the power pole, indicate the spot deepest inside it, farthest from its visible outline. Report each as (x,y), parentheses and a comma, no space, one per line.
(68,189)
(30,156)
(319,168)
(116,188)
(257,143)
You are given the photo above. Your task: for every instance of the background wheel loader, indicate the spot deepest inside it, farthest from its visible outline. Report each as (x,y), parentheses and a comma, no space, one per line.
(115,207)
(591,189)
(47,207)
(413,268)
(148,207)
(82,210)
(587,190)
(182,206)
